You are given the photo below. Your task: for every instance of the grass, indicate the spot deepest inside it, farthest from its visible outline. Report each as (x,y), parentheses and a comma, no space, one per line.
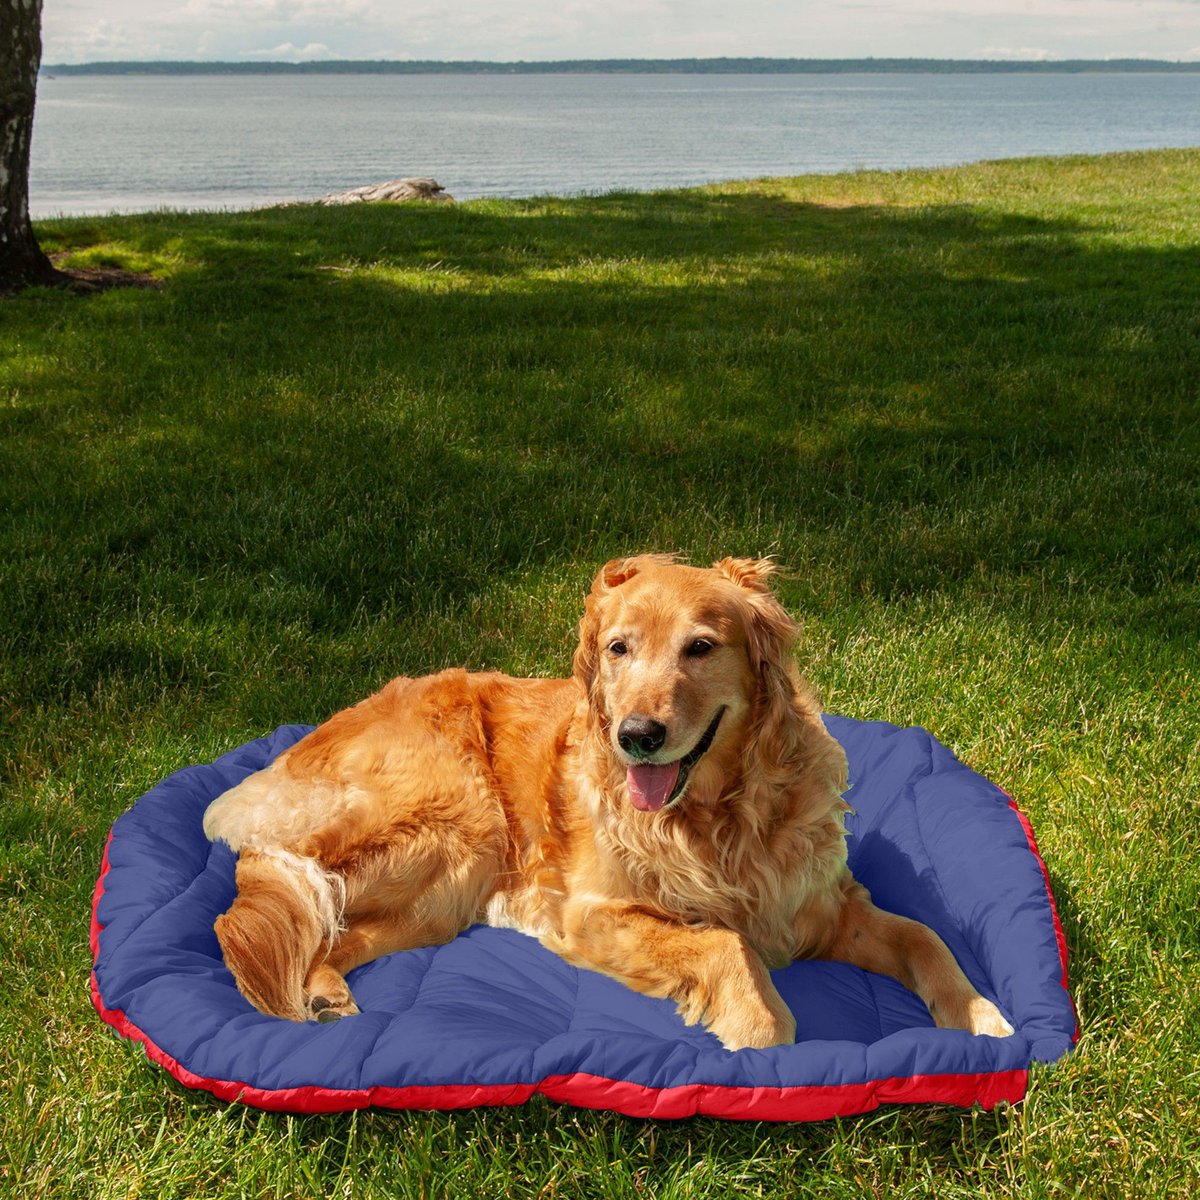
(344,444)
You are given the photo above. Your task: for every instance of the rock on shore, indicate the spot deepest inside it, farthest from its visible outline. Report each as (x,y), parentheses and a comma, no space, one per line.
(413,188)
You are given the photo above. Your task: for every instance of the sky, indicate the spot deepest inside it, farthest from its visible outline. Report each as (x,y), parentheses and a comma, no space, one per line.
(297,30)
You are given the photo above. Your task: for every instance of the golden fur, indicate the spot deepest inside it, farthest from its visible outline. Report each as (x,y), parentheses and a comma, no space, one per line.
(461,797)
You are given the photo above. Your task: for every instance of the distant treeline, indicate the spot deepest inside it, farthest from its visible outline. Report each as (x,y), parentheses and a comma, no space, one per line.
(640,66)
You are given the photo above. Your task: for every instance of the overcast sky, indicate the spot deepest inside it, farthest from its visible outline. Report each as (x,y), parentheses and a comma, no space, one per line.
(90,30)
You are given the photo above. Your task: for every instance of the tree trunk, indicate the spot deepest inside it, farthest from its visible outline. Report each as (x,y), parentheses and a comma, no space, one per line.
(21,259)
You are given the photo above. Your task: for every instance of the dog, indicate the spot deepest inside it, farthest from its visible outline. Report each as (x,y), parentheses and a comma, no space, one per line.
(670,815)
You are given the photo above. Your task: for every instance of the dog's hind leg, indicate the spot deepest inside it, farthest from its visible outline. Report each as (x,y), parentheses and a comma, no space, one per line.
(286,908)
(417,889)
(326,994)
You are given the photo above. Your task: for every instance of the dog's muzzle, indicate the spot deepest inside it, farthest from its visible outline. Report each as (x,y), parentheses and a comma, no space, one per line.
(654,786)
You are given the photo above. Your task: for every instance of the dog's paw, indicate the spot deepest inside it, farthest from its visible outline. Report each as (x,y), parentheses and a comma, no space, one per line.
(973,1013)
(742,1033)
(324,1010)
(983,1017)
(747,1020)
(327,998)
(735,1000)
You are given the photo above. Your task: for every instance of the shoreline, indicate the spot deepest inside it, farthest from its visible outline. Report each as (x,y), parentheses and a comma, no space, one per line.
(260,204)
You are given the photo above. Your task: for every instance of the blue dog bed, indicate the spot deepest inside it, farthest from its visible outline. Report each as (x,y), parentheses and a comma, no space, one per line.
(493,1018)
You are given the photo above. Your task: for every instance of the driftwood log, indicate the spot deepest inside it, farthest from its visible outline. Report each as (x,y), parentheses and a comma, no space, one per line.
(414,188)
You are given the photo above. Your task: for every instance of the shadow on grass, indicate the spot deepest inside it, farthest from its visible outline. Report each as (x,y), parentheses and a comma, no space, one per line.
(902,401)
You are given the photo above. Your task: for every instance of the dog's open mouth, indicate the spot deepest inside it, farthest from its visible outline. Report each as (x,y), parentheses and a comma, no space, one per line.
(653,786)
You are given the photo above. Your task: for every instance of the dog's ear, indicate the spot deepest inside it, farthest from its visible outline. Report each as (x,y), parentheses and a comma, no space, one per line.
(754,574)
(770,634)
(771,631)
(615,572)
(587,654)
(620,570)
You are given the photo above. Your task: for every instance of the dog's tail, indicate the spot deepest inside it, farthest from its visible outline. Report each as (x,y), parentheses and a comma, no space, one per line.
(287,908)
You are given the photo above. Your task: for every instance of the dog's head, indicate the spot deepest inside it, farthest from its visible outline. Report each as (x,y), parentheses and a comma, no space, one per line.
(680,664)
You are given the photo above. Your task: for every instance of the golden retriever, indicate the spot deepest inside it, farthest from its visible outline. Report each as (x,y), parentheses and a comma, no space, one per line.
(671,815)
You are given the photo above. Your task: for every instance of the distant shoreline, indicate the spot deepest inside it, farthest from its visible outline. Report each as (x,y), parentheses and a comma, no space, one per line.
(635,66)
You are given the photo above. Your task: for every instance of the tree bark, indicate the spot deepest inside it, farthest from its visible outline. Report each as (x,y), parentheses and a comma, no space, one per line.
(22,261)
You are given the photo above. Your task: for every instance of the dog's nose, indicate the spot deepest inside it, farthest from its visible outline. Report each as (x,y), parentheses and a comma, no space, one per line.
(640,736)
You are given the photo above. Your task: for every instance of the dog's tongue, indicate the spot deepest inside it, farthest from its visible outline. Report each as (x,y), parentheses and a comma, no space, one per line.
(649,786)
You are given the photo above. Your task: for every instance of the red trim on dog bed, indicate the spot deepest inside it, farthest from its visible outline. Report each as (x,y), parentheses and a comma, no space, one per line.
(1059,933)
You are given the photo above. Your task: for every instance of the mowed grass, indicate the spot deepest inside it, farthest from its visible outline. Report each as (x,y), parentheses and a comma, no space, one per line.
(340,445)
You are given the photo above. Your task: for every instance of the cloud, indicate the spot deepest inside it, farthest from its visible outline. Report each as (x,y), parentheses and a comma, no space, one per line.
(287,52)
(277,12)
(1022,53)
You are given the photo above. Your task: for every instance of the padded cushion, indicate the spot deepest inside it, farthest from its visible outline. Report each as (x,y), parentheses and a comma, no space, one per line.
(492,1017)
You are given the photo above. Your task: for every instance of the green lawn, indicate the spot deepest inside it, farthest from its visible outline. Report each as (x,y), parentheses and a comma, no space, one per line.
(343,444)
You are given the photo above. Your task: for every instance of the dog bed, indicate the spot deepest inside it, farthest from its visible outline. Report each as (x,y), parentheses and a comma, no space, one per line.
(493,1018)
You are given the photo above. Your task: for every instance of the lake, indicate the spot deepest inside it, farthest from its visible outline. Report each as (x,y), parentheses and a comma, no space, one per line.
(130,143)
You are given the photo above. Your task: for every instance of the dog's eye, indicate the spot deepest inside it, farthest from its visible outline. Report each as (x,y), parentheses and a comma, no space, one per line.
(699,648)
(618,648)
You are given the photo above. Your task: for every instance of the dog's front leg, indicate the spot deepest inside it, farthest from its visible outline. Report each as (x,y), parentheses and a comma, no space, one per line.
(911,952)
(713,975)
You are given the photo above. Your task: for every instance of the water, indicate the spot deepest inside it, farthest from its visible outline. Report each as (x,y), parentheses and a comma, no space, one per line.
(130,143)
